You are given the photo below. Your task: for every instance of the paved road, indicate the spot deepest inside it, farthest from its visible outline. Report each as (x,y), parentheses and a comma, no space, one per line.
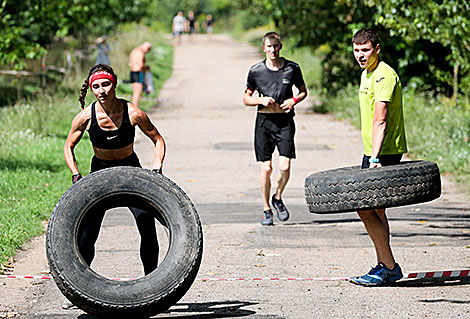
(209,136)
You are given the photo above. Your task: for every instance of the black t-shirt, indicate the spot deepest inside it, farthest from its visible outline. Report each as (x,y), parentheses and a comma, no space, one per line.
(191,22)
(276,84)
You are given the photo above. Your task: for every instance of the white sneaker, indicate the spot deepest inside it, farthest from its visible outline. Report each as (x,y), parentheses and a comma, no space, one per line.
(67,305)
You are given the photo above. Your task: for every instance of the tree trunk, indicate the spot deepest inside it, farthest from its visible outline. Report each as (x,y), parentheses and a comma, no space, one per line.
(455,83)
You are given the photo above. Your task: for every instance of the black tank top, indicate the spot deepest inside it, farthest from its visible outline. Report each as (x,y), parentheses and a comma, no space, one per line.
(112,139)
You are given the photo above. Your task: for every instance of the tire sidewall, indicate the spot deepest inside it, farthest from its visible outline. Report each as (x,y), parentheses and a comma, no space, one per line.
(353,188)
(80,283)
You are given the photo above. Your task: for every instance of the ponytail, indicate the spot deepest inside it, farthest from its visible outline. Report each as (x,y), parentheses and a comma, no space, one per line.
(83,92)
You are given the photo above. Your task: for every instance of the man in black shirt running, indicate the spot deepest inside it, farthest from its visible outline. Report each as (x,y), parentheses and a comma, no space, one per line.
(273,79)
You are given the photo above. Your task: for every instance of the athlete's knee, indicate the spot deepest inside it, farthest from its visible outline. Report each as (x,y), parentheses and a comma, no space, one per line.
(284,166)
(369,216)
(147,229)
(284,169)
(266,168)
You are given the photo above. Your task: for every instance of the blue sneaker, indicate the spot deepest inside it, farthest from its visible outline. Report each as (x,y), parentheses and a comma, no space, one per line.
(379,275)
(267,218)
(281,210)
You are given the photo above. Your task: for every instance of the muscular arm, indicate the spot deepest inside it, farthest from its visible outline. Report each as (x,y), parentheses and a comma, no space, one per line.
(288,104)
(141,119)
(379,124)
(79,125)
(250,100)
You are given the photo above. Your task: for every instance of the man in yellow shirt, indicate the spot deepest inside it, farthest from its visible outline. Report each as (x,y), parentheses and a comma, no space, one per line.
(384,140)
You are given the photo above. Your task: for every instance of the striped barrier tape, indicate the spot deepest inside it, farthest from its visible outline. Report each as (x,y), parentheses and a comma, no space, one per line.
(413,275)
(24,277)
(438,274)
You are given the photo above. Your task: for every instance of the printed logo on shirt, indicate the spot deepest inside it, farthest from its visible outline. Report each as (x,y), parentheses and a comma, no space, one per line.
(377,81)
(111,137)
(285,81)
(364,90)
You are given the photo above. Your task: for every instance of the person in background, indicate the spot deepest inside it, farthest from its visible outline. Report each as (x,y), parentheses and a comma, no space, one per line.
(179,24)
(209,25)
(192,25)
(273,79)
(384,141)
(103,51)
(138,67)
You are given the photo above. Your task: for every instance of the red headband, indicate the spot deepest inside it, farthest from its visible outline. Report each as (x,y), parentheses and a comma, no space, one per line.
(102,75)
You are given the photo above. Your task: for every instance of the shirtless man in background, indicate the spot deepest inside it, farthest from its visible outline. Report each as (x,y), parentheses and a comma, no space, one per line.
(138,67)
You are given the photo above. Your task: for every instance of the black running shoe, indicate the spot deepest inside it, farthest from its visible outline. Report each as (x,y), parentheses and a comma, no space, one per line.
(281,210)
(267,218)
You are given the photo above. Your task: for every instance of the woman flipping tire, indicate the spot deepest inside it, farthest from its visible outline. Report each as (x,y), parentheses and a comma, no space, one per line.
(124,187)
(111,124)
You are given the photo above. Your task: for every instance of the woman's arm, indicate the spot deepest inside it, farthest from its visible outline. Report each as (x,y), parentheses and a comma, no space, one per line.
(78,127)
(141,119)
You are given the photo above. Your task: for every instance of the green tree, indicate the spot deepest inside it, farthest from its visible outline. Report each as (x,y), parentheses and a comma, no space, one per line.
(427,41)
(446,22)
(27,27)
(326,24)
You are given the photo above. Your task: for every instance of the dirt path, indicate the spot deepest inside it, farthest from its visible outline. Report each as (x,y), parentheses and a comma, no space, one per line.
(209,136)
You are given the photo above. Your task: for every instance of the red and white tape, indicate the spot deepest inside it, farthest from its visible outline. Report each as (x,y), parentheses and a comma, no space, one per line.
(412,275)
(24,277)
(438,274)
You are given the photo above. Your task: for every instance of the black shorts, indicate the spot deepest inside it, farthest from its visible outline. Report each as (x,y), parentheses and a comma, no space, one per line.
(273,130)
(137,77)
(385,160)
(99,164)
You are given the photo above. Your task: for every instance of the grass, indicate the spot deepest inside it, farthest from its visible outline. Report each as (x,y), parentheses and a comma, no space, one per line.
(33,174)
(439,131)
(32,170)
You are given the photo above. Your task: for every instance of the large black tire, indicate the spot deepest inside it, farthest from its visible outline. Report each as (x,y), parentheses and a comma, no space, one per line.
(123,187)
(352,188)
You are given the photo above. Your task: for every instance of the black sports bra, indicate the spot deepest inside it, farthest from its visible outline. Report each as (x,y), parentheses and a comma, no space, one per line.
(111,139)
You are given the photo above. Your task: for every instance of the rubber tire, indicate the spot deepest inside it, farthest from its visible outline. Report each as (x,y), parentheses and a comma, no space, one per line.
(123,187)
(352,188)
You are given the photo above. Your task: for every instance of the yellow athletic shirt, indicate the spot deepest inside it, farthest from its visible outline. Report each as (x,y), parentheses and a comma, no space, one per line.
(382,85)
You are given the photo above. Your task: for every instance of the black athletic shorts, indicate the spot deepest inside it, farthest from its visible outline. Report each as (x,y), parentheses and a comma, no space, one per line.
(385,160)
(273,130)
(137,76)
(99,164)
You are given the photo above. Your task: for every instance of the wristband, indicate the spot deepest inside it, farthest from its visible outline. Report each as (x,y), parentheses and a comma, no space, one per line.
(296,100)
(76,178)
(374,160)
